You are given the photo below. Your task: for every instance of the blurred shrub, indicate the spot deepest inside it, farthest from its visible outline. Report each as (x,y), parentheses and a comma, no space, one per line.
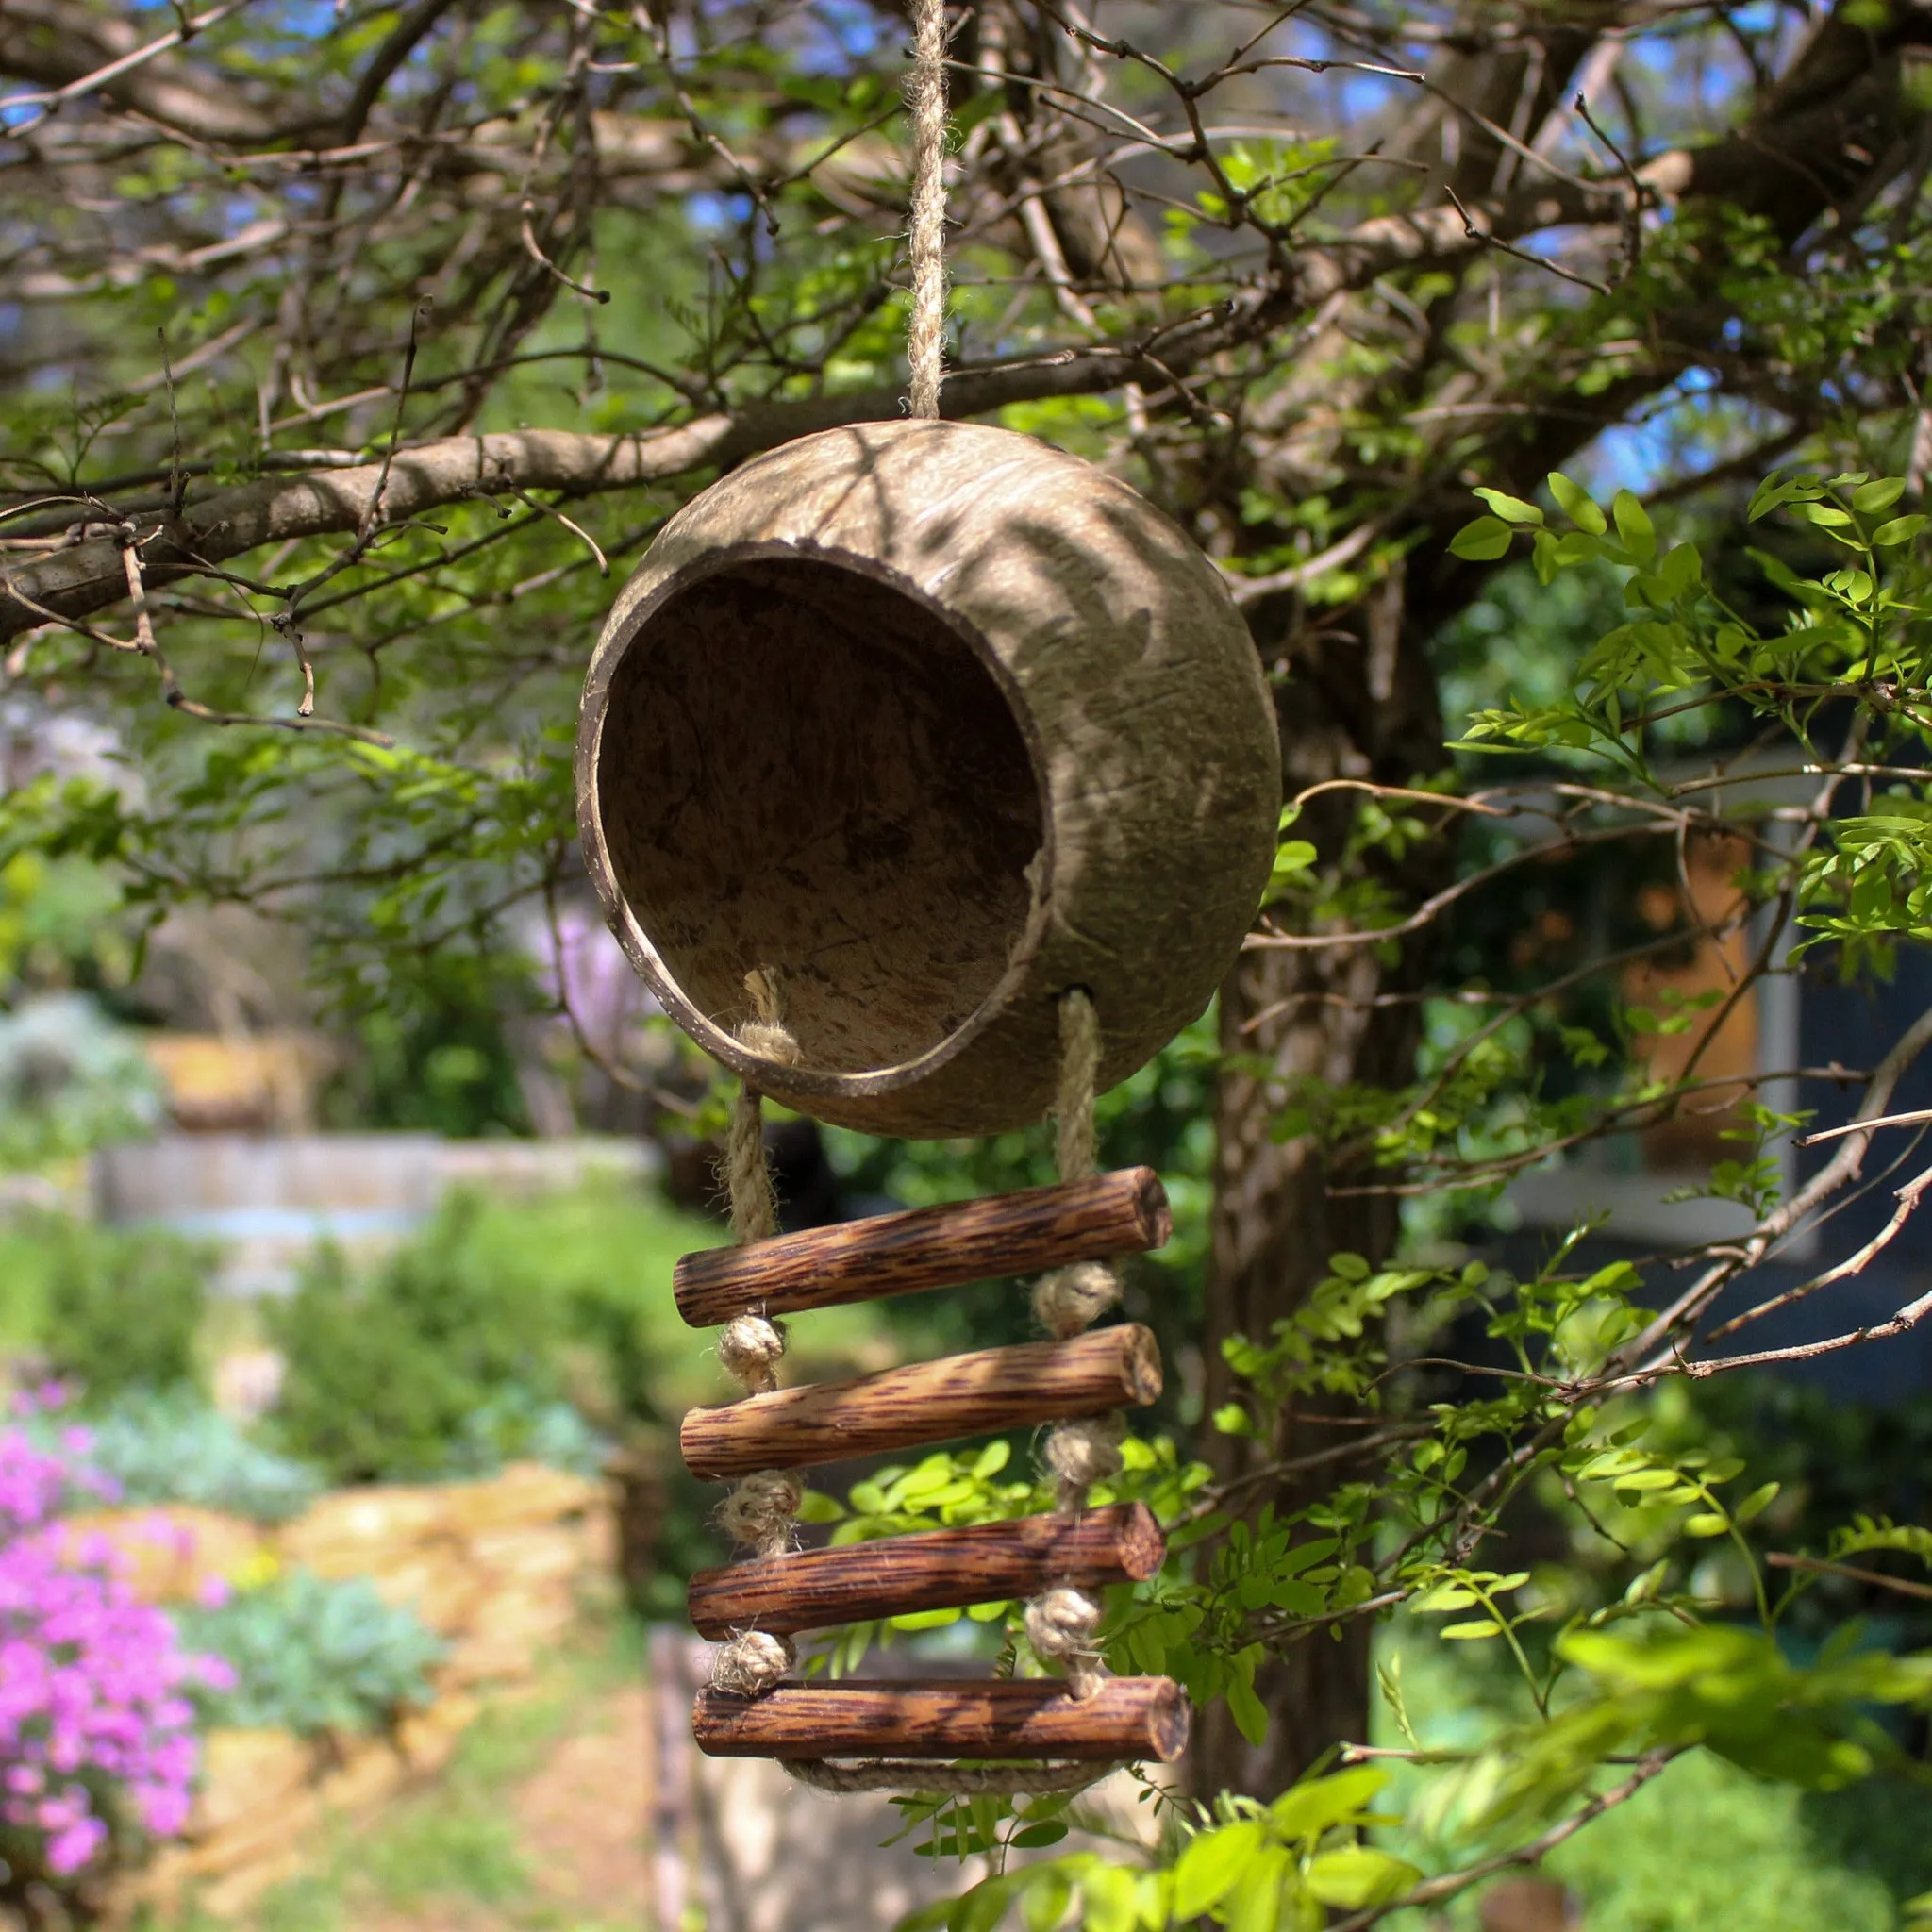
(429,1048)
(70,1080)
(462,1351)
(385,1374)
(122,1308)
(173,1448)
(311,1655)
(516,1425)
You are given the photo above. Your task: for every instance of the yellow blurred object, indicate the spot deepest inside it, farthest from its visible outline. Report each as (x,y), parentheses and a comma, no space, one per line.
(251,1082)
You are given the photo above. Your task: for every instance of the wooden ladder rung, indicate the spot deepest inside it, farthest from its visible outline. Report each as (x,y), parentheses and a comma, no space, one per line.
(1132,1719)
(1122,1213)
(935,1570)
(977,1395)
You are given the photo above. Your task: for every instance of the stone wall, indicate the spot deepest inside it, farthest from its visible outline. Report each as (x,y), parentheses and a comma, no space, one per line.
(500,1569)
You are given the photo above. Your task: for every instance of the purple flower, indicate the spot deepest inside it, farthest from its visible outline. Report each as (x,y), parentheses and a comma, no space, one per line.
(95,1731)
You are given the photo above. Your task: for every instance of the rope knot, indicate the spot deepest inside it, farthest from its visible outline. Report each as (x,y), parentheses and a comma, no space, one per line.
(1074,1297)
(750,1349)
(766,1034)
(1084,1453)
(750,1664)
(770,1043)
(758,1513)
(1060,1627)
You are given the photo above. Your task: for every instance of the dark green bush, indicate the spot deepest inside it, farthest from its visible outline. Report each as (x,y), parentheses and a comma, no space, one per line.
(123,1308)
(386,1373)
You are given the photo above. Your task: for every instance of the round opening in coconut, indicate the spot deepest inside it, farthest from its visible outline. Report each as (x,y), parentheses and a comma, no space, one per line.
(927,723)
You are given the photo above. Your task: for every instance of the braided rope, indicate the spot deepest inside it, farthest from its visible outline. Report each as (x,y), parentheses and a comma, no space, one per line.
(926,334)
(762,1508)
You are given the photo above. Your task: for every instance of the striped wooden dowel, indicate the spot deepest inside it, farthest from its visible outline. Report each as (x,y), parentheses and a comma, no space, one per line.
(976,1394)
(1111,1214)
(935,1570)
(1130,1719)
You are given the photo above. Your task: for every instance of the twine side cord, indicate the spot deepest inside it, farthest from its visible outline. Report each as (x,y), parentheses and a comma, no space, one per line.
(759,1512)
(1061,1622)
(925,91)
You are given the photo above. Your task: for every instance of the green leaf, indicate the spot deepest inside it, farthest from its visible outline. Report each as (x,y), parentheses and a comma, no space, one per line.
(1634,526)
(1512,509)
(1680,568)
(1446,1596)
(1706,1524)
(1481,541)
(1900,530)
(1576,505)
(1250,1714)
(1357,1876)
(1471,1633)
(1044,1903)
(1255,1904)
(1642,1480)
(925,1620)
(1048,1832)
(1758,1500)
(1308,1810)
(1213,1865)
(984,1906)
(1826,516)
(1881,493)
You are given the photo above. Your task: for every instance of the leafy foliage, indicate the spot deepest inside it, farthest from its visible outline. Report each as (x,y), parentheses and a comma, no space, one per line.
(312,1655)
(385,1374)
(1306,336)
(123,1307)
(173,1448)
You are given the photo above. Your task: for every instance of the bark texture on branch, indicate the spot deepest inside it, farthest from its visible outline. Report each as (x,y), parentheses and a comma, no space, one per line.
(1132,1719)
(961,1395)
(959,1242)
(934,1570)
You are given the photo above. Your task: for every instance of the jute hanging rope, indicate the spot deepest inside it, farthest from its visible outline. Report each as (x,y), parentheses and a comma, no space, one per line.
(926,335)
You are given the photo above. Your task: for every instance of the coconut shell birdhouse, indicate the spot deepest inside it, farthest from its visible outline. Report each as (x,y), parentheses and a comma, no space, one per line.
(928,776)
(935,722)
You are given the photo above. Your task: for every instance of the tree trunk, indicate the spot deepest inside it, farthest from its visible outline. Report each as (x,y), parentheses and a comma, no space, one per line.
(1353,706)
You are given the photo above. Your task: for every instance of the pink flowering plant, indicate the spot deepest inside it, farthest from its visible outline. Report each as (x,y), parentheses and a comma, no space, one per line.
(98,1746)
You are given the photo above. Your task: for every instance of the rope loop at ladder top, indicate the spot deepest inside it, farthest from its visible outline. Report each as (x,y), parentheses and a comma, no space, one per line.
(925,332)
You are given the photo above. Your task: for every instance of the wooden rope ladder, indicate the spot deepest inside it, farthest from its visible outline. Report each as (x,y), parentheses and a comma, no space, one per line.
(1039,1734)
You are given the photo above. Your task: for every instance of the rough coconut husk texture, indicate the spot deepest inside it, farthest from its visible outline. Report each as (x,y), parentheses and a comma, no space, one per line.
(930,721)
